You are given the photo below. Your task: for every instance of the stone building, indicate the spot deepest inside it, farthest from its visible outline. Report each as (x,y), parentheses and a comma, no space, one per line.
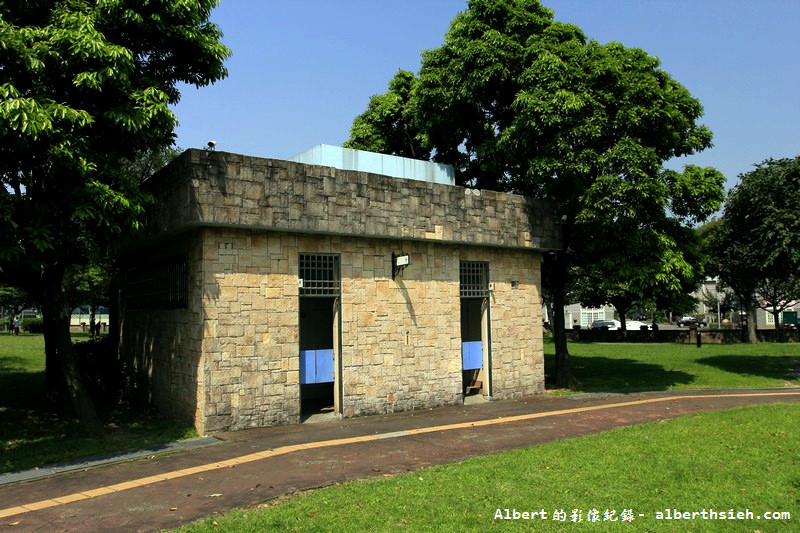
(263,290)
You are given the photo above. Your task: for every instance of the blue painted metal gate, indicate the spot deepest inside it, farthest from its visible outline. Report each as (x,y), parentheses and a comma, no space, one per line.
(472,355)
(316,366)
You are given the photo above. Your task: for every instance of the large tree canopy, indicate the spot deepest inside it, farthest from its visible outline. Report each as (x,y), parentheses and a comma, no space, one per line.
(755,246)
(517,101)
(84,86)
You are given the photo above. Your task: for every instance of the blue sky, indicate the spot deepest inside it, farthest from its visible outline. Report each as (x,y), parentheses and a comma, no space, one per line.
(301,70)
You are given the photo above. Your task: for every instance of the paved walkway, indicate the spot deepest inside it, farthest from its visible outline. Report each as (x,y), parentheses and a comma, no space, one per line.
(251,466)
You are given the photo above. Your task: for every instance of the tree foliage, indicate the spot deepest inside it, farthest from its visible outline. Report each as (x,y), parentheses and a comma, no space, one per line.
(144,164)
(85,85)
(388,125)
(13,300)
(755,246)
(517,101)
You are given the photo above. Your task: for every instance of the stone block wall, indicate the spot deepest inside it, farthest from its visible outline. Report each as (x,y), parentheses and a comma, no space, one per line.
(400,339)
(218,188)
(515,308)
(401,347)
(163,347)
(250,329)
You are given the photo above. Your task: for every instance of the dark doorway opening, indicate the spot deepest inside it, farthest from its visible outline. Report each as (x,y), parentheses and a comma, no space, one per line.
(319,284)
(475,352)
(472,345)
(317,355)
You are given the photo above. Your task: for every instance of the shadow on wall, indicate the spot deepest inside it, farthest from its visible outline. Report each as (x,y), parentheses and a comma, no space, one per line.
(162,364)
(409,305)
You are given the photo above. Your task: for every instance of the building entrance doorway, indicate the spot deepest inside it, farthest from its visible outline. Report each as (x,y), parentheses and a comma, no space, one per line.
(319,288)
(475,330)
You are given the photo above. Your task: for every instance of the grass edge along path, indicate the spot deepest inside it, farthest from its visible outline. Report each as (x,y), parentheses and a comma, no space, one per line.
(628,367)
(34,435)
(746,459)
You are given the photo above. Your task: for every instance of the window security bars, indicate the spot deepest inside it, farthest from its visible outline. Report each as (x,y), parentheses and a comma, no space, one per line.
(319,275)
(159,286)
(474,279)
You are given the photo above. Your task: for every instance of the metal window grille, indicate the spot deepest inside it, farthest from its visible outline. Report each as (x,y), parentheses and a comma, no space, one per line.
(319,275)
(474,279)
(159,286)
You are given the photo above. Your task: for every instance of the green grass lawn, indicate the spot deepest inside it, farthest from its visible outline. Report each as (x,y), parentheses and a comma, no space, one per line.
(33,433)
(741,459)
(602,367)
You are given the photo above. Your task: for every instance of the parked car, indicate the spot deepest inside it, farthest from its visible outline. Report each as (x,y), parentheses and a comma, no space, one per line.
(610,325)
(691,321)
(634,325)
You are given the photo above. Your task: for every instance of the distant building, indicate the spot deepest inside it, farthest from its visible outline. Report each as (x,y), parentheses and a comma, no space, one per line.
(714,314)
(578,315)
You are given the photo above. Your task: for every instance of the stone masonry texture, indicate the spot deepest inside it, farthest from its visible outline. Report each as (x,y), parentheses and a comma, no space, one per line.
(230,358)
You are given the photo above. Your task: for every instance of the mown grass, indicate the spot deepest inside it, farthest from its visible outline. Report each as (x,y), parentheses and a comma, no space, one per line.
(739,459)
(601,367)
(34,433)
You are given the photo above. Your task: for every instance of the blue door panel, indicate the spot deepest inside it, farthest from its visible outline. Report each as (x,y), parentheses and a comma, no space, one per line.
(324,366)
(472,355)
(308,366)
(316,366)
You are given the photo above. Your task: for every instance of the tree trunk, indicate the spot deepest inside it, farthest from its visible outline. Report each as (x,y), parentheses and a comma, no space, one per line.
(55,388)
(752,336)
(114,326)
(564,377)
(57,313)
(92,319)
(622,305)
(778,329)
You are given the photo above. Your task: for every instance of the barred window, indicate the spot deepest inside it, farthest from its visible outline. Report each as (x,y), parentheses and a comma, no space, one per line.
(474,279)
(159,286)
(319,275)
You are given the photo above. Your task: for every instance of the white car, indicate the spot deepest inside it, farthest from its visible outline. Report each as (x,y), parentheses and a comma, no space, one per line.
(634,325)
(610,325)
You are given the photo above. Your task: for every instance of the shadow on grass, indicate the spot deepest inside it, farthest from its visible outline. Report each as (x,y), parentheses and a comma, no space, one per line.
(33,438)
(21,388)
(26,417)
(12,364)
(603,374)
(769,366)
(35,432)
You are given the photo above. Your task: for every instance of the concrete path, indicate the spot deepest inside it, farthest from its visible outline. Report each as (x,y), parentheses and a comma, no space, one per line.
(165,491)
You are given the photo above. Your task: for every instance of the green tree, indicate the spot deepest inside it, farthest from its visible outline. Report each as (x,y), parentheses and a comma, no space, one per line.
(777,294)
(737,267)
(755,246)
(12,301)
(144,164)
(720,300)
(517,101)
(86,84)
(388,125)
(623,268)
